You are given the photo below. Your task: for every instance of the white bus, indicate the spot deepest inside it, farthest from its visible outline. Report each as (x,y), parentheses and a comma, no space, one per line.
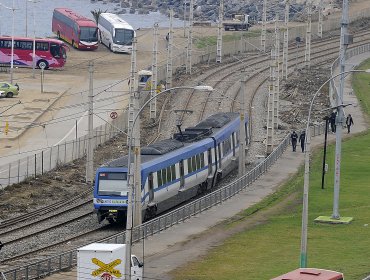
(115,33)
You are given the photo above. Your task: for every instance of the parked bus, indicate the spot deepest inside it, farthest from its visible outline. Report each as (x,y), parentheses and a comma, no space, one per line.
(115,33)
(77,30)
(49,53)
(311,274)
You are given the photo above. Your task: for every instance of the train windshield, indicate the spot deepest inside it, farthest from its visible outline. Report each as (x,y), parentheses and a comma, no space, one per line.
(113,184)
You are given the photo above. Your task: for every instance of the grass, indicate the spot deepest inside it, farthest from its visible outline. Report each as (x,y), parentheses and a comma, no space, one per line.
(273,247)
(203,42)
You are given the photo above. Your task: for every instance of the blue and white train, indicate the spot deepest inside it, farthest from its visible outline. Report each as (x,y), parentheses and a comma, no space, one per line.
(172,170)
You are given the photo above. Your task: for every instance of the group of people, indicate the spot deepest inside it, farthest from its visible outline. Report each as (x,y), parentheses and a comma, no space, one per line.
(333,126)
(294,138)
(332,119)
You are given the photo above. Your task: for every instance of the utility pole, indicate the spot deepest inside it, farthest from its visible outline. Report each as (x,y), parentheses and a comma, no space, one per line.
(306,185)
(153,85)
(132,90)
(169,53)
(219,32)
(319,26)
(137,219)
(185,18)
(284,71)
(307,53)
(263,31)
(190,38)
(90,146)
(241,169)
(26,17)
(345,40)
(276,75)
(270,106)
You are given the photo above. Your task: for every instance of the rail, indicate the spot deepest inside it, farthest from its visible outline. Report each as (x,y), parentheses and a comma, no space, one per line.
(68,259)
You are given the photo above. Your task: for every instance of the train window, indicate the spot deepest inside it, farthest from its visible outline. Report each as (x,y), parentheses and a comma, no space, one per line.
(201,160)
(169,174)
(193,163)
(219,154)
(159,178)
(189,165)
(198,161)
(233,143)
(173,171)
(164,176)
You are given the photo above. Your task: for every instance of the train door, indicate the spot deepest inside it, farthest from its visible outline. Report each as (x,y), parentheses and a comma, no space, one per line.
(182,173)
(233,143)
(151,187)
(219,156)
(209,156)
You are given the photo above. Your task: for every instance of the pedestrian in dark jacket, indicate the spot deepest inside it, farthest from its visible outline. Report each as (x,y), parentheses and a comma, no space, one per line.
(294,139)
(349,122)
(332,121)
(302,139)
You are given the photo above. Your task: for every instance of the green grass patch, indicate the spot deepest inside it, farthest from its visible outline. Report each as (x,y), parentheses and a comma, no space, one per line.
(207,41)
(273,247)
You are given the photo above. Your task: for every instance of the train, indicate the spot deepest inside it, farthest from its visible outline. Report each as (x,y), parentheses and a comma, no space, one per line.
(172,170)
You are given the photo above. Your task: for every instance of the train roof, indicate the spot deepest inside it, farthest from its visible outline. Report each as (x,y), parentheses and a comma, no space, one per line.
(203,130)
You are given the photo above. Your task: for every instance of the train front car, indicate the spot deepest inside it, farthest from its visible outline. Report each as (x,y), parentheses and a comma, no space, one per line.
(111,192)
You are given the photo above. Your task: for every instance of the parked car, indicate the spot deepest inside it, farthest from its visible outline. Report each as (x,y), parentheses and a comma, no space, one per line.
(8,90)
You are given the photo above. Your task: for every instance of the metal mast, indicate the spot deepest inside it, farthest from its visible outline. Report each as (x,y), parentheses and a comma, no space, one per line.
(270,106)
(284,71)
(307,54)
(219,32)
(276,75)
(190,38)
(263,31)
(90,145)
(319,26)
(242,135)
(345,39)
(132,90)
(153,84)
(169,53)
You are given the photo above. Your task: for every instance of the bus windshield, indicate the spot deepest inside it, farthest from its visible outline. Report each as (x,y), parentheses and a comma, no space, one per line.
(89,34)
(123,36)
(113,183)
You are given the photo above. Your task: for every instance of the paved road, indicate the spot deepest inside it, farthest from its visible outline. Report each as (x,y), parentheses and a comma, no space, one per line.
(192,239)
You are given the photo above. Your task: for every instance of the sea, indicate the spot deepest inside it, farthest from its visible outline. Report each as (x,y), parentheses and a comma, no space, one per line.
(35,16)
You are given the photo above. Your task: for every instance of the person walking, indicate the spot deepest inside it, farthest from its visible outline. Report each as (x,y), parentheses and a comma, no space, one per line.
(302,139)
(349,122)
(294,139)
(332,121)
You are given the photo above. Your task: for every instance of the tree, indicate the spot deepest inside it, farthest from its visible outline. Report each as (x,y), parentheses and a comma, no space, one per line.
(96,14)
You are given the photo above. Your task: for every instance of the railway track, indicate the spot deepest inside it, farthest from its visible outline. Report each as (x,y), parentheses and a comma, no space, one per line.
(224,79)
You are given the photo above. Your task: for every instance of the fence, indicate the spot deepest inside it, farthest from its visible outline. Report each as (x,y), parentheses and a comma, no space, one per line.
(68,259)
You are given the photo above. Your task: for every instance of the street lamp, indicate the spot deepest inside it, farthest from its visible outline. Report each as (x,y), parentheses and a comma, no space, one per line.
(34,38)
(303,255)
(131,193)
(12,47)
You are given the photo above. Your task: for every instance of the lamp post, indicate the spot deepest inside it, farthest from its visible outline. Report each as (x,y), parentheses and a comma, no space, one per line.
(12,47)
(303,254)
(132,196)
(34,38)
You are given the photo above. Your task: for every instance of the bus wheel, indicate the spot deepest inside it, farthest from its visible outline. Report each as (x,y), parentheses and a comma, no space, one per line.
(73,44)
(111,48)
(42,64)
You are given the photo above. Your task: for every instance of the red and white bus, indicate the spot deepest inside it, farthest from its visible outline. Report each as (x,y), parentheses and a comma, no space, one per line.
(311,274)
(79,31)
(49,53)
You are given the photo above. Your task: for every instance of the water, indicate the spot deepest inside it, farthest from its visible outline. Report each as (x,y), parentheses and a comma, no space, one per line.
(24,21)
